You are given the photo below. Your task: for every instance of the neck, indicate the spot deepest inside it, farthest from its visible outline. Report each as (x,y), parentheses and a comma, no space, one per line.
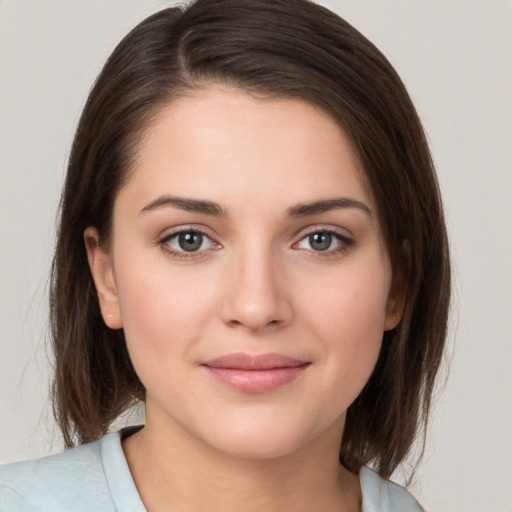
(173,471)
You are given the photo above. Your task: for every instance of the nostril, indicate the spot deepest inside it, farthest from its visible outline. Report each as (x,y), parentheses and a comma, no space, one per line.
(254,325)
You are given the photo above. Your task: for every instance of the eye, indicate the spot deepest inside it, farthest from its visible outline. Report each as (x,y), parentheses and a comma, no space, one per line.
(324,241)
(190,241)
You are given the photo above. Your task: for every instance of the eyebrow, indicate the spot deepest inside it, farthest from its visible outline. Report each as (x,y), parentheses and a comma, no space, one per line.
(186,203)
(211,208)
(325,205)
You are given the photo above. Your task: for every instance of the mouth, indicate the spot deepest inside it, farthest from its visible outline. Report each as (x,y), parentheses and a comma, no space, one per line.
(255,374)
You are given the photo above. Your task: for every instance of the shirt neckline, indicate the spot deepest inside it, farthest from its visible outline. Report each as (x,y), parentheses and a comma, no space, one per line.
(378,495)
(120,482)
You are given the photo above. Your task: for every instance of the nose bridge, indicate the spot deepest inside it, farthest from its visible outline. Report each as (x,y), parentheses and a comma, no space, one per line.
(256,296)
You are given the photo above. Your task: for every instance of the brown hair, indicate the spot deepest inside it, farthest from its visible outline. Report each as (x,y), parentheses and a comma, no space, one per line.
(277,48)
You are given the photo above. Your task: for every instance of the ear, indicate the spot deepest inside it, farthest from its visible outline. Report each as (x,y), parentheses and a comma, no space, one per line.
(103,276)
(395,303)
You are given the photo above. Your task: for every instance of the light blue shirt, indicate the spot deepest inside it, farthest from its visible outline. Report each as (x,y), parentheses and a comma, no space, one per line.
(96,478)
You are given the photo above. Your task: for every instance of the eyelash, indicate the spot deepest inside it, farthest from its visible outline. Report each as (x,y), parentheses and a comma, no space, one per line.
(344,243)
(164,243)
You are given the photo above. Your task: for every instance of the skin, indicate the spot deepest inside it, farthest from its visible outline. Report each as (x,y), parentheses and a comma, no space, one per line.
(257,285)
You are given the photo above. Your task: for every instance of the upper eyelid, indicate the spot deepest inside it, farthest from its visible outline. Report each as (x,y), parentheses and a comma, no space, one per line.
(169,233)
(344,239)
(343,232)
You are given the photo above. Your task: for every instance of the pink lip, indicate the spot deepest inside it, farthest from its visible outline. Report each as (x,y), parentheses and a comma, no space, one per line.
(255,374)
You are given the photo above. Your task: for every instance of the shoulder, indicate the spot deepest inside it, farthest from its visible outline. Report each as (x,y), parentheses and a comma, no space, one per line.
(381,495)
(63,482)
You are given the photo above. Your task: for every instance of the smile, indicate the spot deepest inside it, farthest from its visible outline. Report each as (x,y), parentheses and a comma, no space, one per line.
(255,374)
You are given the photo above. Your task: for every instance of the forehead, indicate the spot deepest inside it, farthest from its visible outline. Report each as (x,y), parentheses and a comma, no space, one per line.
(223,144)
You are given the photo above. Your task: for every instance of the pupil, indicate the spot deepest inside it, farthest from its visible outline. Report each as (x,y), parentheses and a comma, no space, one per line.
(190,241)
(320,241)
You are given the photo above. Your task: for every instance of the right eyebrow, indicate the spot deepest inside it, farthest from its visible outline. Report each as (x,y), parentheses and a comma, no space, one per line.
(185,203)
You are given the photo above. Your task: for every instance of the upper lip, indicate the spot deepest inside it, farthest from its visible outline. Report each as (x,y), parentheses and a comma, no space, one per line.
(241,361)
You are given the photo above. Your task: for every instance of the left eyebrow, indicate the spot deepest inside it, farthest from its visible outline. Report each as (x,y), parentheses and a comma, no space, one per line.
(325,205)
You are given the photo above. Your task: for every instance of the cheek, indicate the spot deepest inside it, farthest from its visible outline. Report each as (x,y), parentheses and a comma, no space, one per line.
(348,315)
(350,304)
(164,310)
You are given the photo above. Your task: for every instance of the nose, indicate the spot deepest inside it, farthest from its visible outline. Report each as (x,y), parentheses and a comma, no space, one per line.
(256,296)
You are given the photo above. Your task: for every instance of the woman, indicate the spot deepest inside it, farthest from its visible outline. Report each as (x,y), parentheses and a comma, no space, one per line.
(253,231)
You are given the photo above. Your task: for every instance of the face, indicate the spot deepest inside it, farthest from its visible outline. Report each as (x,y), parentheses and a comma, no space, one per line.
(248,270)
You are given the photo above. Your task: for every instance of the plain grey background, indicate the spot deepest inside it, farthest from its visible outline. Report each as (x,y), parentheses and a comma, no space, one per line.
(455,57)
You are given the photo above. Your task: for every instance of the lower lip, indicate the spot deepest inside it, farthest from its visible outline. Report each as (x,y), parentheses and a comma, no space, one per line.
(256,381)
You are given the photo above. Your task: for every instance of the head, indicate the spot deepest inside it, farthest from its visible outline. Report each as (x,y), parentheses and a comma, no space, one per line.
(271,50)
